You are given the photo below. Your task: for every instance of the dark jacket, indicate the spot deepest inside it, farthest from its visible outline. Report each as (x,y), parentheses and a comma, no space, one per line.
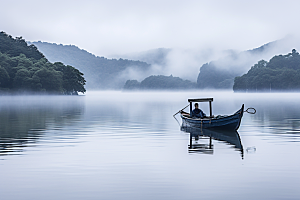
(198,113)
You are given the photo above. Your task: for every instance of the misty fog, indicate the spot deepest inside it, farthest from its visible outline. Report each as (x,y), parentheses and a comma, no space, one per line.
(188,34)
(186,63)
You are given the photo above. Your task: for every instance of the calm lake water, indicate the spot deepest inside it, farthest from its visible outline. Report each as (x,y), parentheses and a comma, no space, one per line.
(127,145)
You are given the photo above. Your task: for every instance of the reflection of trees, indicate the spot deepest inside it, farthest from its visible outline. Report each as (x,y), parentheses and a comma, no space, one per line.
(21,125)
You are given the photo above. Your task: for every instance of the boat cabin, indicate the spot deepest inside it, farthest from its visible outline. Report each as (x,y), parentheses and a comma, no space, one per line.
(201,100)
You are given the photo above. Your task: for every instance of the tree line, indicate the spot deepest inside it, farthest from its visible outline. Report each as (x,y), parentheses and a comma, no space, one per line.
(282,72)
(160,82)
(24,69)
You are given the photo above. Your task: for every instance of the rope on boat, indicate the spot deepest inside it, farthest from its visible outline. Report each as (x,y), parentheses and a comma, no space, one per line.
(176,120)
(250,112)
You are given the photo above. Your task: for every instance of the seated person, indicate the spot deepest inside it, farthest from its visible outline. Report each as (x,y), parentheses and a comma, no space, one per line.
(197,113)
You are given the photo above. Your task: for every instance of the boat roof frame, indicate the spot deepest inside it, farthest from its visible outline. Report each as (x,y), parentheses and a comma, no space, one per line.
(201,100)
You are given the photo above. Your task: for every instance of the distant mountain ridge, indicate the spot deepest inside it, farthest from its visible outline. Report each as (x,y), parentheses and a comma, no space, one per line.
(153,56)
(220,74)
(103,73)
(100,72)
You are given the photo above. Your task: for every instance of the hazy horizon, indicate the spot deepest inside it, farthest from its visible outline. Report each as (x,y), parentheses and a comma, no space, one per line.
(197,32)
(117,27)
(185,63)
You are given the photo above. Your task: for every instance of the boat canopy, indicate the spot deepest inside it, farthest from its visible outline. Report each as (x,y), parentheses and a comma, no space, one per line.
(201,100)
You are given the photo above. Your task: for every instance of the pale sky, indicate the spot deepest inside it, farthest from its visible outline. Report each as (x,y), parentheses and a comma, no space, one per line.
(119,27)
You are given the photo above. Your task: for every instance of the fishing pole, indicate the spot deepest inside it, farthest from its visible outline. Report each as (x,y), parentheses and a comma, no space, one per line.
(179,112)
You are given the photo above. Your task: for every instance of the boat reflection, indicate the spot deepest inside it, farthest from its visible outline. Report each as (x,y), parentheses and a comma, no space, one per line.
(201,139)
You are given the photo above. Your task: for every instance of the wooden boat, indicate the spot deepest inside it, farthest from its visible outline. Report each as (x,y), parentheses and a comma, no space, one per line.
(230,122)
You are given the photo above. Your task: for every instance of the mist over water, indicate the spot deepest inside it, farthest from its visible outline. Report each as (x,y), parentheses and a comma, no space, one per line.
(127,145)
(186,62)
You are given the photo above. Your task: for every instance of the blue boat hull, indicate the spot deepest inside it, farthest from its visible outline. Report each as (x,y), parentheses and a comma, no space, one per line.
(231,122)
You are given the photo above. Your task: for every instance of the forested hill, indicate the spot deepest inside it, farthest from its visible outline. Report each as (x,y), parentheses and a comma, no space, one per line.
(24,69)
(100,72)
(220,74)
(281,73)
(160,82)
(15,46)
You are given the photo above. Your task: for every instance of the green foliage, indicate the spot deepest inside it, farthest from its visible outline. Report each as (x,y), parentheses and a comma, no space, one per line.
(160,82)
(23,73)
(73,80)
(21,79)
(50,80)
(15,47)
(4,77)
(280,73)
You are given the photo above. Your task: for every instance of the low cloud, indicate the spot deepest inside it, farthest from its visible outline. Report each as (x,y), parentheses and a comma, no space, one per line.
(118,27)
(186,63)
